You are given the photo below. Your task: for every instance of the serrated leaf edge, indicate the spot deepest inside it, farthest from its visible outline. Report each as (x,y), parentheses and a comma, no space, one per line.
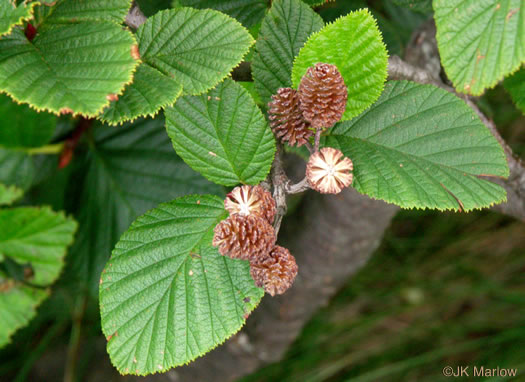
(22,18)
(77,114)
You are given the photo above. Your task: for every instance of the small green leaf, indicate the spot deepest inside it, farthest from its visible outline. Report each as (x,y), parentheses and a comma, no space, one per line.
(420,146)
(150,91)
(198,48)
(354,44)
(67,75)
(480,42)
(515,85)
(36,238)
(16,168)
(316,3)
(9,194)
(11,15)
(166,295)
(283,33)
(72,11)
(125,172)
(24,127)
(248,12)
(223,135)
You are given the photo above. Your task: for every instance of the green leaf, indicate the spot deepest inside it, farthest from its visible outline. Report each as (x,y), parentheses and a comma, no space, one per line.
(515,85)
(67,68)
(223,135)
(248,12)
(126,172)
(316,3)
(150,91)
(8,194)
(198,48)
(69,11)
(424,6)
(24,127)
(11,15)
(16,168)
(354,44)
(35,237)
(284,31)
(480,42)
(166,295)
(420,146)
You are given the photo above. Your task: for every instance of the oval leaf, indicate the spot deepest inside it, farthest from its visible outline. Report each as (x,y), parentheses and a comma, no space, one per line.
(354,44)
(248,12)
(150,91)
(480,42)
(35,238)
(283,33)
(67,75)
(68,11)
(420,146)
(223,135)
(167,296)
(198,48)
(515,85)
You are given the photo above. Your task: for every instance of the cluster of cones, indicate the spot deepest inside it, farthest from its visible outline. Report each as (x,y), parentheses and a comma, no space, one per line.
(248,234)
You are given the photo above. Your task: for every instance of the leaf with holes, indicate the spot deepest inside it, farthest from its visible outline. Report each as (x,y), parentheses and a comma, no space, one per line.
(72,74)
(283,33)
(11,15)
(23,126)
(36,239)
(166,295)
(354,44)
(9,194)
(419,146)
(248,12)
(198,48)
(515,85)
(150,91)
(68,11)
(480,41)
(124,173)
(223,135)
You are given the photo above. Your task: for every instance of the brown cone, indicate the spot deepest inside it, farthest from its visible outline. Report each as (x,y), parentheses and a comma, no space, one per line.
(323,95)
(328,171)
(275,272)
(244,237)
(286,118)
(251,200)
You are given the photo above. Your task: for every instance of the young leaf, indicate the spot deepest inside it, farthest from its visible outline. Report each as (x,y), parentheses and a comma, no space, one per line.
(126,172)
(354,44)
(248,12)
(223,135)
(198,48)
(16,168)
(420,146)
(149,92)
(68,11)
(35,238)
(283,33)
(24,127)
(67,75)
(515,85)
(480,42)
(11,15)
(9,194)
(166,295)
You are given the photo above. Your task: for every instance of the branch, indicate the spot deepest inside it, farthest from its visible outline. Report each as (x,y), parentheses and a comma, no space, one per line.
(135,18)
